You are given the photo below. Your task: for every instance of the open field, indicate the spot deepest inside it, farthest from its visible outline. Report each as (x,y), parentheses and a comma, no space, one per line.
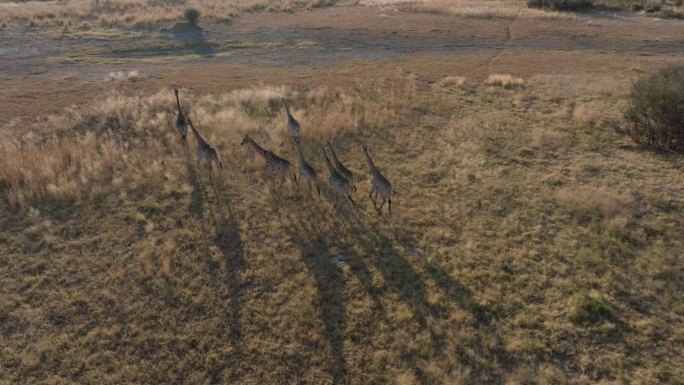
(529,243)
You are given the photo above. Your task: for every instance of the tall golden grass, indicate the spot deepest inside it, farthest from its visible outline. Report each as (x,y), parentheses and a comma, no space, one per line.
(132,139)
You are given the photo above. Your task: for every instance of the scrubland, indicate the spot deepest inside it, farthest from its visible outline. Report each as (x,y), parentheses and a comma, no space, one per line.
(142,14)
(529,243)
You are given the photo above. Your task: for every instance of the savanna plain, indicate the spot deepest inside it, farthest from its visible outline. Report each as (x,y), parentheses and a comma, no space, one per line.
(529,243)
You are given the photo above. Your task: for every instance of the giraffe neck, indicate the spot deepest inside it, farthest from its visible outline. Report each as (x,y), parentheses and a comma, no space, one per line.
(332,153)
(197,134)
(328,164)
(371,165)
(299,152)
(287,110)
(258,148)
(178,103)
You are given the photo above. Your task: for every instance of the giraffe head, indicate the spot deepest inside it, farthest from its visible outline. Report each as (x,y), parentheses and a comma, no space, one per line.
(246,140)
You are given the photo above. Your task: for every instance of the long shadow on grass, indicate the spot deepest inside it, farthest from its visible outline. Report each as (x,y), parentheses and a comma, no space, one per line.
(196,207)
(229,242)
(362,240)
(313,239)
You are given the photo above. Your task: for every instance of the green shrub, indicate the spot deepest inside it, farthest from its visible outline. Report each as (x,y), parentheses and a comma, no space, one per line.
(655,115)
(560,5)
(591,310)
(191,15)
(652,7)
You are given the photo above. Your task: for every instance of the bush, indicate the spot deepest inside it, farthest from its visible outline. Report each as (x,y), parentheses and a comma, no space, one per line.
(191,14)
(560,5)
(652,7)
(655,115)
(591,310)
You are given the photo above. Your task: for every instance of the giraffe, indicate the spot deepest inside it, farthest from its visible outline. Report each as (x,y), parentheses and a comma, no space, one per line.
(380,186)
(181,120)
(336,182)
(274,163)
(306,172)
(345,172)
(292,123)
(204,150)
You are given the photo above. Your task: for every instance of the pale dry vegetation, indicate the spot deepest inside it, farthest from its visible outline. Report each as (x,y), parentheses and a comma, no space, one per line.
(524,247)
(89,147)
(477,8)
(503,80)
(452,81)
(136,13)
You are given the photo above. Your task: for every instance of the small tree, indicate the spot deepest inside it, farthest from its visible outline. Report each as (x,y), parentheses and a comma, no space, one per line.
(191,14)
(655,115)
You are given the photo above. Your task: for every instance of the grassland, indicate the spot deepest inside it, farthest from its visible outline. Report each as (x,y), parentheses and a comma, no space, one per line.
(528,242)
(140,14)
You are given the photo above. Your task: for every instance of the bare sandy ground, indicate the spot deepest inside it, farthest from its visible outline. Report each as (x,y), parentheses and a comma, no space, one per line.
(45,70)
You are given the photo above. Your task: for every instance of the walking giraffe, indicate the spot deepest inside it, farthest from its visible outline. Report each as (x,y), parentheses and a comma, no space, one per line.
(337,183)
(380,186)
(181,120)
(344,171)
(274,163)
(292,123)
(306,172)
(204,150)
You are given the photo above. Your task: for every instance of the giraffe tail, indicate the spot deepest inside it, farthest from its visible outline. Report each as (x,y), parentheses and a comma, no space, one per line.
(220,165)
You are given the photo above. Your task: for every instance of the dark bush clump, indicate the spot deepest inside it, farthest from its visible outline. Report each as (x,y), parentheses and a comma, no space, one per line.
(560,5)
(591,310)
(655,115)
(191,15)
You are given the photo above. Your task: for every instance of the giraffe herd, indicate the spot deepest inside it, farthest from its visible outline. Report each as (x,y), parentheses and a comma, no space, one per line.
(340,178)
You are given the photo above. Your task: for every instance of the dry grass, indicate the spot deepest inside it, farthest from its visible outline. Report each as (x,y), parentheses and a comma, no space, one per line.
(588,114)
(137,13)
(452,81)
(493,269)
(585,200)
(503,80)
(103,143)
(477,8)
(123,75)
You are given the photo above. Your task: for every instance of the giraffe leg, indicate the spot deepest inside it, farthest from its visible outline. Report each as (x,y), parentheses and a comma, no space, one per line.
(373,199)
(380,208)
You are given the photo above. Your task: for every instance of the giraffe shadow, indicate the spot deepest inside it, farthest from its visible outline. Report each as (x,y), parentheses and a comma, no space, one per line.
(197,197)
(315,250)
(227,272)
(364,242)
(229,242)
